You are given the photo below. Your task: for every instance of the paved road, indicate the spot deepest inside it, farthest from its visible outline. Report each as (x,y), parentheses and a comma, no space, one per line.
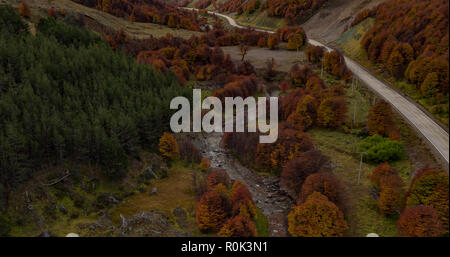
(430,130)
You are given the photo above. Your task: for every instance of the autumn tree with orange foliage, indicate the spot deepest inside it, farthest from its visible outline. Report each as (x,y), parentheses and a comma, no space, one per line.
(410,38)
(388,183)
(24,10)
(241,201)
(316,217)
(380,119)
(238,226)
(230,211)
(216,177)
(52,13)
(391,194)
(205,164)
(420,221)
(314,54)
(307,109)
(334,63)
(430,187)
(211,212)
(290,143)
(168,146)
(325,183)
(290,101)
(382,170)
(300,75)
(242,86)
(332,112)
(298,169)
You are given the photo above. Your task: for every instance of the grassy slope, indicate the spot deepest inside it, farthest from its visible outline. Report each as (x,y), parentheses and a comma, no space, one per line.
(97,18)
(260,20)
(177,190)
(350,42)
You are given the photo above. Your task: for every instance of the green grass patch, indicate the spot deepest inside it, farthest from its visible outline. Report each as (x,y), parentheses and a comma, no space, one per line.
(262,224)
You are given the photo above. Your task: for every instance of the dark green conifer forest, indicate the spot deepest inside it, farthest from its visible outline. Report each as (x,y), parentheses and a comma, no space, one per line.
(66,95)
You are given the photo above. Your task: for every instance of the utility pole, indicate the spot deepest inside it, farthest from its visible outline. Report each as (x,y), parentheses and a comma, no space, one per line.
(353,82)
(321,73)
(360,166)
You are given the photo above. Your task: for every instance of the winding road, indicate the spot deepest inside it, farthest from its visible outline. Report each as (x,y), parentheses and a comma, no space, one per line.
(434,134)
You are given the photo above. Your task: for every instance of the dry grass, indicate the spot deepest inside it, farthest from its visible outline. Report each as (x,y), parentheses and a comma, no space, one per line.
(133,29)
(177,190)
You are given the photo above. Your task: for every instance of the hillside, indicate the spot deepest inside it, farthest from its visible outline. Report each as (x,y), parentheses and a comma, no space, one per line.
(406,43)
(331,20)
(89,143)
(324,20)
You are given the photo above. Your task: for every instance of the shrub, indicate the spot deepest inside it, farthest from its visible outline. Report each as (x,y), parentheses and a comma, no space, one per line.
(317,217)
(420,221)
(379,149)
(238,226)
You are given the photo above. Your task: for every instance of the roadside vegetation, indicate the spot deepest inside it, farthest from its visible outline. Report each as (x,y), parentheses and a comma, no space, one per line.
(414,61)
